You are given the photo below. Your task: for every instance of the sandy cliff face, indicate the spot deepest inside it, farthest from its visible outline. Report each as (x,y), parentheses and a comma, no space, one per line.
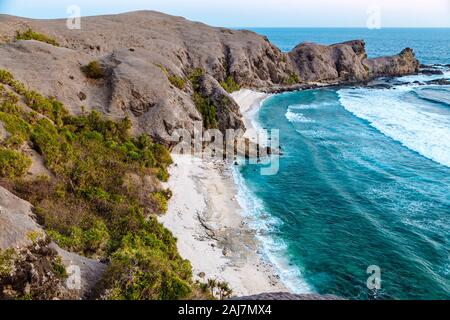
(141,50)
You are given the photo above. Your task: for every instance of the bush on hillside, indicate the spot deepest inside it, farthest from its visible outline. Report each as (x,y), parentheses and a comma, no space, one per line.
(13,164)
(29,34)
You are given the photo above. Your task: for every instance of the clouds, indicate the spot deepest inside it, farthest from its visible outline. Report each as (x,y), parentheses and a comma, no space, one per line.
(306,13)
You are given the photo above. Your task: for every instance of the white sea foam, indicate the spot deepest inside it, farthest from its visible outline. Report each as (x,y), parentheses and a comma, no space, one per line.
(297,117)
(403,120)
(303,107)
(273,248)
(440,95)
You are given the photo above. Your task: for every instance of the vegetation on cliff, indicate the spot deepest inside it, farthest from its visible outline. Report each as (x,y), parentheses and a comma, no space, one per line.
(176,81)
(29,34)
(13,163)
(230,85)
(95,201)
(93,70)
(203,103)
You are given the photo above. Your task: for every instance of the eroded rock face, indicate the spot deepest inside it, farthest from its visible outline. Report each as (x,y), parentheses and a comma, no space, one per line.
(141,50)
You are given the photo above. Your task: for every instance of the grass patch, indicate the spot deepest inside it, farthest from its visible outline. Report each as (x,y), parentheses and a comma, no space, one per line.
(13,164)
(94,70)
(29,34)
(6,262)
(177,81)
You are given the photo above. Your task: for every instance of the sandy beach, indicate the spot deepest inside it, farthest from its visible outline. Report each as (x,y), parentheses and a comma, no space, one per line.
(205,216)
(249,104)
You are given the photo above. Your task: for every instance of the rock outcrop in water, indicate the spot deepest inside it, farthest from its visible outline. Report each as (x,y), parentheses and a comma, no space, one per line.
(149,58)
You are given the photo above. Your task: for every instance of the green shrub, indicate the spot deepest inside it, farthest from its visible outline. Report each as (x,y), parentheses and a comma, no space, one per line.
(160,199)
(91,239)
(230,85)
(204,104)
(207,109)
(56,150)
(13,163)
(15,125)
(177,81)
(6,77)
(147,267)
(33,35)
(6,262)
(94,70)
(163,174)
(8,101)
(58,268)
(292,79)
(194,78)
(13,142)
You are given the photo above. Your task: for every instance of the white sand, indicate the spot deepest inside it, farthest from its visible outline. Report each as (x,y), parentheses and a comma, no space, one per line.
(207,219)
(249,103)
(205,216)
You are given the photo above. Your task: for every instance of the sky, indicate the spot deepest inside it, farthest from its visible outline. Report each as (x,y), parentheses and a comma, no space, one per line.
(257,13)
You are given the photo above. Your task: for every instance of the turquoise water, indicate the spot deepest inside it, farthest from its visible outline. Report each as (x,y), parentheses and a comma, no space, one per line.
(364,180)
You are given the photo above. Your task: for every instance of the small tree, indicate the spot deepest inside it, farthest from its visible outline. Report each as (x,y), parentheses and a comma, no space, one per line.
(224,290)
(212,285)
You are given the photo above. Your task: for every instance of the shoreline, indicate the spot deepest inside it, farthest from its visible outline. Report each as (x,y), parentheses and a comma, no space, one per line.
(206,217)
(250,103)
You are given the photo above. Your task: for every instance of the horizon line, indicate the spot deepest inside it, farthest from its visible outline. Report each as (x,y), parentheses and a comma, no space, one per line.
(237,27)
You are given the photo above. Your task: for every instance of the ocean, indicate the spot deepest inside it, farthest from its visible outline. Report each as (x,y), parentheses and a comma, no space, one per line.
(364,181)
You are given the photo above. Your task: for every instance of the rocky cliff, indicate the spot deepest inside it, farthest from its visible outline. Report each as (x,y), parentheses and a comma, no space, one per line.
(148,59)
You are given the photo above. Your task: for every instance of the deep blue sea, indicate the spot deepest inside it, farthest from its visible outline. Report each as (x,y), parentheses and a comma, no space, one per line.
(364,180)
